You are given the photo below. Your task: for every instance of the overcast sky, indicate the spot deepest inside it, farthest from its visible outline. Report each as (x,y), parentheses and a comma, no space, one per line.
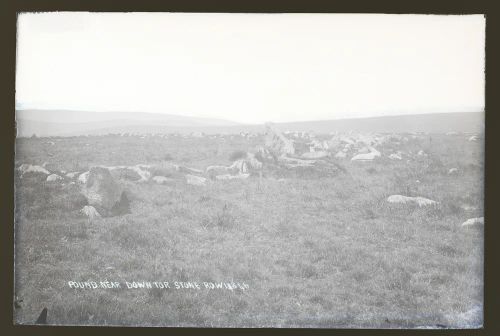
(251,67)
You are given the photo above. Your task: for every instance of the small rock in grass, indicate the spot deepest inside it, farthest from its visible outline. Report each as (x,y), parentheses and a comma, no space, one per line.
(340,155)
(395,156)
(53,178)
(90,212)
(195,180)
(232,177)
(27,168)
(473,138)
(83,177)
(400,199)
(161,179)
(474,221)
(72,175)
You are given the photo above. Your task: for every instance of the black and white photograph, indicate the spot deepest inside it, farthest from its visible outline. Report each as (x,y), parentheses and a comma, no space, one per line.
(249,170)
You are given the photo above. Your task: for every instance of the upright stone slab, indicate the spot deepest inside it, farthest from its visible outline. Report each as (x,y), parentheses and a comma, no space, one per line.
(102,191)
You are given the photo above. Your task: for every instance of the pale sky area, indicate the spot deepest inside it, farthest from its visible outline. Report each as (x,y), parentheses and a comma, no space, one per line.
(251,67)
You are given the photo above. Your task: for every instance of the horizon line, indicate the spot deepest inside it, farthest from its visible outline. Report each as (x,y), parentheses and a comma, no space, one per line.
(239,122)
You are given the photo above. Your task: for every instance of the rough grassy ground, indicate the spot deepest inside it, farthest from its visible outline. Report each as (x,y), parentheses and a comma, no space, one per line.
(316,249)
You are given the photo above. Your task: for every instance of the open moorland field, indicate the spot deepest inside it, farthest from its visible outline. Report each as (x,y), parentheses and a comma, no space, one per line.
(318,246)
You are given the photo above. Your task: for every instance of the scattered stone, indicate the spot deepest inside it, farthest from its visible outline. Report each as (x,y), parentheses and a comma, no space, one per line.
(474,221)
(90,212)
(141,171)
(315,155)
(53,178)
(232,177)
(395,156)
(292,162)
(138,173)
(188,170)
(264,153)
(161,179)
(240,166)
(27,168)
(82,178)
(195,180)
(421,201)
(467,207)
(347,140)
(368,156)
(473,138)
(213,171)
(253,162)
(364,150)
(341,155)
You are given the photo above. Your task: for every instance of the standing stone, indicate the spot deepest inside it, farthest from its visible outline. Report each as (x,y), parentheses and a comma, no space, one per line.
(277,143)
(103,193)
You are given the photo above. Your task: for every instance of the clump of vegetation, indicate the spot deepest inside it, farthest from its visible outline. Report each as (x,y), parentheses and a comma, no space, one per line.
(222,219)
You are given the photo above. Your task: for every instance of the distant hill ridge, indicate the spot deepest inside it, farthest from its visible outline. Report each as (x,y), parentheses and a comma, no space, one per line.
(71,123)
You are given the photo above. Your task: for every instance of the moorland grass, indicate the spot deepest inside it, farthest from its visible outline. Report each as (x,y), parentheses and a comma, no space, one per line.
(317,248)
